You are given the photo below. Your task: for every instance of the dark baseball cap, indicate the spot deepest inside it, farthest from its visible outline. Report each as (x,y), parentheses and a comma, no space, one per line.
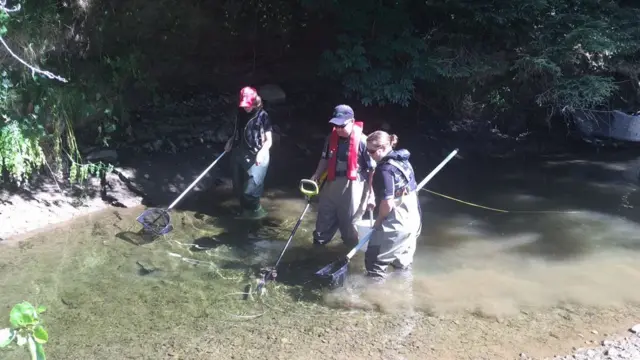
(341,114)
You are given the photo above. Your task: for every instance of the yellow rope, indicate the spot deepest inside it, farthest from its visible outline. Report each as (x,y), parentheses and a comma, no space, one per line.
(499,210)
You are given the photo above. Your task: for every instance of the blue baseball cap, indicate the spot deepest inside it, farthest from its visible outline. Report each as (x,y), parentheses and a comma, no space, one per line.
(342,114)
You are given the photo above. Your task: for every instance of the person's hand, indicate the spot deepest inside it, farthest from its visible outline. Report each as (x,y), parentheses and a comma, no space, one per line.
(314,178)
(260,157)
(371,204)
(227,146)
(371,201)
(377,225)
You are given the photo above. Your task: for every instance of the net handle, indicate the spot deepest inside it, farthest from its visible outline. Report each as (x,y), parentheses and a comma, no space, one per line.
(175,202)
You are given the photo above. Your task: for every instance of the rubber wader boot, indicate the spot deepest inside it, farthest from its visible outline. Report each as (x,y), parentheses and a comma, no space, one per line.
(257,214)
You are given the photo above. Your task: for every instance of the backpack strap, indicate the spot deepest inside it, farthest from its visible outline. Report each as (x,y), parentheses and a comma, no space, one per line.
(403,170)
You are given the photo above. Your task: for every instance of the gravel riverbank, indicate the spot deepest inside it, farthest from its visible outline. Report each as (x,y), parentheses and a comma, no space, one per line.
(618,348)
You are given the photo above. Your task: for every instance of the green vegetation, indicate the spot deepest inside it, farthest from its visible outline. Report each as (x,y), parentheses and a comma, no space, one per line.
(26,329)
(41,110)
(511,63)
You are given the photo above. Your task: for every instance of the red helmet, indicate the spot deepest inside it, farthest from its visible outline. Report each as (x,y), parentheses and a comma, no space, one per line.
(248,96)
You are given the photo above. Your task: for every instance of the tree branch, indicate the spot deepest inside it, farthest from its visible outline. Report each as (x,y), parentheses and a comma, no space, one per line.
(34,70)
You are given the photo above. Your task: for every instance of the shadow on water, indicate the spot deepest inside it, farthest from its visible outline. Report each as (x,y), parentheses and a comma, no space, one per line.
(140,237)
(298,267)
(250,245)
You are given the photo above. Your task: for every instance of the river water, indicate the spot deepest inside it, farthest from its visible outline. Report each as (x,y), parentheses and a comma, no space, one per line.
(544,259)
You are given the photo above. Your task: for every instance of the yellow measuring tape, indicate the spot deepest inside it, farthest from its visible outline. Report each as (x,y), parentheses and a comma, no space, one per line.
(499,210)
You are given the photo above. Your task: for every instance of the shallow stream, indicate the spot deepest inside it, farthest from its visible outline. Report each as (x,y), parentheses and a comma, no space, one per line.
(552,261)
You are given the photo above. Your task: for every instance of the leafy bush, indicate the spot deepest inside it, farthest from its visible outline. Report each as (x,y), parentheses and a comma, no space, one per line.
(39,116)
(548,54)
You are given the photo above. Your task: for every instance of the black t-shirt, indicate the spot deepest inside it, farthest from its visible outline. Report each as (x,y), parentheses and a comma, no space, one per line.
(250,128)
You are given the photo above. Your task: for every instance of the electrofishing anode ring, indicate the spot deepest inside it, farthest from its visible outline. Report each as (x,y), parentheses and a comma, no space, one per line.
(309,192)
(309,189)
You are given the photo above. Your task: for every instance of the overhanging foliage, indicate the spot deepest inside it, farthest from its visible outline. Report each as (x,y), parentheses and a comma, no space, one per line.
(473,59)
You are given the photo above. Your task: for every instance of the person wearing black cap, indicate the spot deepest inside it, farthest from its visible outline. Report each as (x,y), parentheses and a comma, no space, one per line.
(349,168)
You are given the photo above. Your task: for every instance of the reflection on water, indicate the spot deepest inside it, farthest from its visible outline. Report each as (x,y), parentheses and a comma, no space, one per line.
(564,235)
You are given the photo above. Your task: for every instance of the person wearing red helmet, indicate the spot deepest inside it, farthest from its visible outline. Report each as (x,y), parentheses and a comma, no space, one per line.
(249,146)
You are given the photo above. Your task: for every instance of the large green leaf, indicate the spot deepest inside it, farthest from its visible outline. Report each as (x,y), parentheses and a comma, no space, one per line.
(15,316)
(6,336)
(23,314)
(40,335)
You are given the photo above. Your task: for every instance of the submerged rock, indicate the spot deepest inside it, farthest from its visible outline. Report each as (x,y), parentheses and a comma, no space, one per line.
(146,268)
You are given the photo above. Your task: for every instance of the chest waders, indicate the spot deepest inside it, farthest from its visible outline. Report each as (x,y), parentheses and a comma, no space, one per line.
(339,203)
(334,274)
(247,177)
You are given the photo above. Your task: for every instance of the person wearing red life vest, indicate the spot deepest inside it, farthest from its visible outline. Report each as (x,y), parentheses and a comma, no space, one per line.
(349,168)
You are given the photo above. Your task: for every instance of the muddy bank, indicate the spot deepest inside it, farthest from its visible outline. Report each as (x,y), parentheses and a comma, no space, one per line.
(44,204)
(143,180)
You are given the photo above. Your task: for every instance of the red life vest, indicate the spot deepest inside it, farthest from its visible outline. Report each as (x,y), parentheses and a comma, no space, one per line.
(352,155)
